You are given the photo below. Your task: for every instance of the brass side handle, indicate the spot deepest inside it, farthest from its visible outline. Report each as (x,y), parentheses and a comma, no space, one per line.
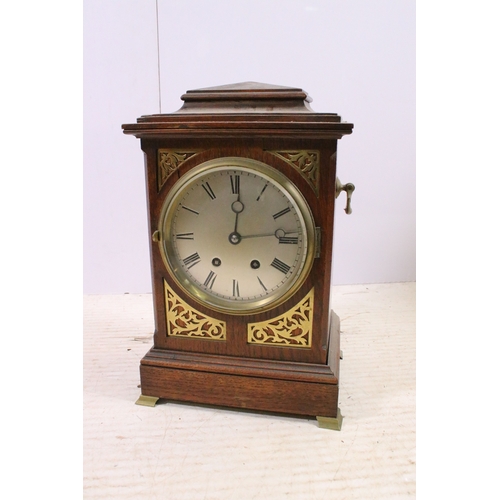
(348,188)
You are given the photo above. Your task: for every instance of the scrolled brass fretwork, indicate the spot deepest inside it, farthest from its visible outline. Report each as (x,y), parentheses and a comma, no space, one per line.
(306,162)
(291,329)
(169,161)
(185,321)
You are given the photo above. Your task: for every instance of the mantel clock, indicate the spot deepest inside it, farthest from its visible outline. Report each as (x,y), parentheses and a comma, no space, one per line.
(241,185)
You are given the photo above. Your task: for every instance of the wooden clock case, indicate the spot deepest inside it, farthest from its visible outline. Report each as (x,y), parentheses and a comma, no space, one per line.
(297,373)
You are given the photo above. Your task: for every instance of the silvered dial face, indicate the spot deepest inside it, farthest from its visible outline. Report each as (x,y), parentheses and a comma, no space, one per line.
(237,235)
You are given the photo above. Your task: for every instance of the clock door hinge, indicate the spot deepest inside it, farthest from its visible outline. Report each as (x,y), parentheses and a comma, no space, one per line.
(317,242)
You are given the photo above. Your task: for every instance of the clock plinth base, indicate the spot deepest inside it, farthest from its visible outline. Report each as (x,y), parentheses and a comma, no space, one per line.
(331,423)
(262,385)
(294,388)
(146,400)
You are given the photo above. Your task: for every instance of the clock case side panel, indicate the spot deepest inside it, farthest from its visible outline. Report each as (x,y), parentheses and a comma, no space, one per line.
(150,163)
(322,207)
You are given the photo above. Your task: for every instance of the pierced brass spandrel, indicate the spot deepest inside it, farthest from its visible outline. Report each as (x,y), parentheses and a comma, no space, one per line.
(169,160)
(291,329)
(185,321)
(306,162)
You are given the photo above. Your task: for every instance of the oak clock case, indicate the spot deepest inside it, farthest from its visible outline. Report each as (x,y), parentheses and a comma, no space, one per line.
(241,188)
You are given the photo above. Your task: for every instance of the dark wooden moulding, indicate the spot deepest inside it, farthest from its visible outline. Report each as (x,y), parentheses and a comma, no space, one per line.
(248,120)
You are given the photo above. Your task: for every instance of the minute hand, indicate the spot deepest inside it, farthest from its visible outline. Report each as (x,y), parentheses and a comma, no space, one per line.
(256,235)
(279,233)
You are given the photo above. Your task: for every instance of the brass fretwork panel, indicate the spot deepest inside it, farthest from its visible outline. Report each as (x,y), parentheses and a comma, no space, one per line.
(185,321)
(169,161)
(291,329)
(306,162)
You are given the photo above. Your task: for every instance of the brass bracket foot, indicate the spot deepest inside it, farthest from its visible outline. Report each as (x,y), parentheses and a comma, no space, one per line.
(330,423)
(146,400)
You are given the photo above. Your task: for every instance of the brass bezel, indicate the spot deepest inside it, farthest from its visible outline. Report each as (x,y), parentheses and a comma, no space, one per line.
(177,273)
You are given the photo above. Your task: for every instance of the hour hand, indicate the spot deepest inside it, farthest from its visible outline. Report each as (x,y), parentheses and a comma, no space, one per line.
(237,207)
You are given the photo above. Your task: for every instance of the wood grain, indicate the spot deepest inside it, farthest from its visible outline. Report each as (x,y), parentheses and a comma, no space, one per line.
(249,120)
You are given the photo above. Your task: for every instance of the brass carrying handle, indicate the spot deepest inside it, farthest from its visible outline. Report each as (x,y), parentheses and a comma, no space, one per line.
(348,188)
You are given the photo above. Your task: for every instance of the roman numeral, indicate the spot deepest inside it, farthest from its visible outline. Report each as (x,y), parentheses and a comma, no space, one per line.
(185,236)
(262,284)
(190,210)
(208,189)
(289,240)
(209,282)
(280,266)
(236,289)
(235,184)
(192,260)
(283,212)
(262,192)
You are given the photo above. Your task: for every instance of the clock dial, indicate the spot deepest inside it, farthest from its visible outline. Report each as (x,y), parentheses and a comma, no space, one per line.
(238,235)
